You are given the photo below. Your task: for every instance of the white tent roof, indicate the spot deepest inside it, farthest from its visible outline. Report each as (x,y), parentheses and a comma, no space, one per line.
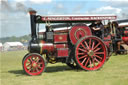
(1,44)
(14,43)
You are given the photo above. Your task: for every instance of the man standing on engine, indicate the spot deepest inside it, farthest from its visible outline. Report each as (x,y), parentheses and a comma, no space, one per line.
(96,28)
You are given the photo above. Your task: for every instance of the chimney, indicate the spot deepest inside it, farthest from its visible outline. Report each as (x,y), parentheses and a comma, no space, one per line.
(33,24)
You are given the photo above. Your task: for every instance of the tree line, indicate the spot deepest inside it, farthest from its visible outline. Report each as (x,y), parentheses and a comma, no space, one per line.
(23,39)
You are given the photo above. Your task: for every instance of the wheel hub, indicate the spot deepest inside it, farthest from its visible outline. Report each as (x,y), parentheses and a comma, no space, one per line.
(34,64)
(90,53)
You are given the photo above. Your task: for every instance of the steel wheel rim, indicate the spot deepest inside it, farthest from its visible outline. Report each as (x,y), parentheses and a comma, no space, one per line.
(34,64)
(90,53)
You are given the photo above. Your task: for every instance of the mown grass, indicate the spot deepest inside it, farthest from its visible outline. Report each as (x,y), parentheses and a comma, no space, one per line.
(114,72)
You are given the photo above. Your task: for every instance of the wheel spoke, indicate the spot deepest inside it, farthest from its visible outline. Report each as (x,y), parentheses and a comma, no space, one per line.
(90,63)
(82,57)
(86,44)
(83,60)
(98,57)
(39,63)
(90,43)
(97,60)
(33,70)
(96,45)
(93,61)
(97,49)
(86,62)
(37,70)
(30,69)
(39,67)
(93,45)
(83,46)
(31,59)
(37,60)
(28,62)
(29,65)
(81,53)
(99,52)
(82,49)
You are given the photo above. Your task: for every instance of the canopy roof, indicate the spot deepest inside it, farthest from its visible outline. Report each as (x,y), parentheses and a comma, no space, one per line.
(75,18)
(123,23)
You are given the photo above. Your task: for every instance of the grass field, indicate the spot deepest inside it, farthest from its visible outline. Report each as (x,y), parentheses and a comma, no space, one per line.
(114,72)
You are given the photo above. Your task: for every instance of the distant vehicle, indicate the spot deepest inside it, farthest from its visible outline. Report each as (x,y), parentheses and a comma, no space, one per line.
(79,46)
(120,41)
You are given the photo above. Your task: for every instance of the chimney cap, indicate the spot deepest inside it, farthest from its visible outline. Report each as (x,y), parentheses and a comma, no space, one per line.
(32,12)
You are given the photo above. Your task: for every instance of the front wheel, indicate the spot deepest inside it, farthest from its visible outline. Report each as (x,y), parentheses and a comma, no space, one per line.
(33,64)
(90,53)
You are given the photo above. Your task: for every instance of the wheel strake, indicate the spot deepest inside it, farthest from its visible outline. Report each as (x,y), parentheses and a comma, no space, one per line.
(90,53)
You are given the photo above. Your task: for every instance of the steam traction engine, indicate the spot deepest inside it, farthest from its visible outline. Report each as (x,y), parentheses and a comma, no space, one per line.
(76,45)
(120,38)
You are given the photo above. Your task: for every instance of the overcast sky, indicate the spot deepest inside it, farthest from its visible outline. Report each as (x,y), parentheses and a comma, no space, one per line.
(15,19)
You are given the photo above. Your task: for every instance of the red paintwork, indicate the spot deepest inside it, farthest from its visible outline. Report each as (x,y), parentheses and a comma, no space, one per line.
(78,31)
(60,46)
(107,42)
(95,60)
(126,33)
(87,52)
(61,31)
(49,47)
(63,52)
(60,38)
(34,64)
(125,39)
(62,49)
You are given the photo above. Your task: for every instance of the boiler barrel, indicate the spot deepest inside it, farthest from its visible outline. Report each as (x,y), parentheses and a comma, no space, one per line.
(46,47)
(40,47)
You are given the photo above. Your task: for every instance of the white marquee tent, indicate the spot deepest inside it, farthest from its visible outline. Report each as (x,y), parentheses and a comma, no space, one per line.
(12,46)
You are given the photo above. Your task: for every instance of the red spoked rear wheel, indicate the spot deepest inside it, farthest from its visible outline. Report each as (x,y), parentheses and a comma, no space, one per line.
(33,64)
(90,53)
